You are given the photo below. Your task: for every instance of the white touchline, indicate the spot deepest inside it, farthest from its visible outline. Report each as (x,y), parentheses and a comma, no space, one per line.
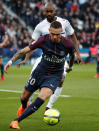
(14,91)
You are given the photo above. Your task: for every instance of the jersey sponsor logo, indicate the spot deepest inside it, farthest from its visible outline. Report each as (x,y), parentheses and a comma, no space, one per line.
(54,59)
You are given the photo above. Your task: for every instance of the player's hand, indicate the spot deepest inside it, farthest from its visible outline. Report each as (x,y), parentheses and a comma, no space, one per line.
(7,66)
(20,63)
(79,59)
(68,70)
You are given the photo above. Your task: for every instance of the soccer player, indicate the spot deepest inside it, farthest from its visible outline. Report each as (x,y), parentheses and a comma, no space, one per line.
(96,35)
(48,73)
(3,40)
(43,28)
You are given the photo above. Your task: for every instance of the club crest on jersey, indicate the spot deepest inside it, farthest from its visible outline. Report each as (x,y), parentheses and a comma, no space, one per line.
(62,53)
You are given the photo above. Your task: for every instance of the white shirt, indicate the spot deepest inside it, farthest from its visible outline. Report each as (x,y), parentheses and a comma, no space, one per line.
(43,28)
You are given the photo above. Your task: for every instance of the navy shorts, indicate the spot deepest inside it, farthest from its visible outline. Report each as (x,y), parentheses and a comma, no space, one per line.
(1,52)
(38,80)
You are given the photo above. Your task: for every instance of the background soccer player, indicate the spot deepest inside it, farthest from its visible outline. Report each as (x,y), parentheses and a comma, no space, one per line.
(48,73)
(3,40)
(41,29)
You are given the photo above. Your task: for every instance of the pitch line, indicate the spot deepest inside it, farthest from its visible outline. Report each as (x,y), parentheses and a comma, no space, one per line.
(14,91)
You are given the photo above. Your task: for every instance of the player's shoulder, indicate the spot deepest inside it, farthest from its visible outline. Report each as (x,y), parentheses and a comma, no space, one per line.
(67,42)
(60,19)
(42,23)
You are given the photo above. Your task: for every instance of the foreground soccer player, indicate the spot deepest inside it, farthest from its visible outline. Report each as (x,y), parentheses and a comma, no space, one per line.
(48,73)
(43,28)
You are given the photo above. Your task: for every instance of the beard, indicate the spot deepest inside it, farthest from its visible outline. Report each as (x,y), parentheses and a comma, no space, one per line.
(50,18)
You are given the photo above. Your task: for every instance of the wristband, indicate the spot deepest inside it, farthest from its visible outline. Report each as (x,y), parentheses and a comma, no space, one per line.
(10,62)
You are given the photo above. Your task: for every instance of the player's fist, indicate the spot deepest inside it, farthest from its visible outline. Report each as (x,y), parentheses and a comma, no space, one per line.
(7,66)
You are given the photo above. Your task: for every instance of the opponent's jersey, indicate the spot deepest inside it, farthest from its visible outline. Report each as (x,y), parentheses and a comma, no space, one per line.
(43,28)
(54,54)
(2,33)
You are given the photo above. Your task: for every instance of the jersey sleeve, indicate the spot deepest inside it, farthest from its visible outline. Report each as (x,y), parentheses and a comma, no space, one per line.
(68,28)
(36,33)
(38,44)
(69,45)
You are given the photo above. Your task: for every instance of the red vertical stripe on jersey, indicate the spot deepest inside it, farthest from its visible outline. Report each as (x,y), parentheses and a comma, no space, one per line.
(53,63)
(55,49)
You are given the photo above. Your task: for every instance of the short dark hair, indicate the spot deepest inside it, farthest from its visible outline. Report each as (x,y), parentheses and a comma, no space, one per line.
(56,25)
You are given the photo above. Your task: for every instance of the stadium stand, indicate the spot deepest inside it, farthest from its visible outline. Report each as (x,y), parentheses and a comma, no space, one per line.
(83,15)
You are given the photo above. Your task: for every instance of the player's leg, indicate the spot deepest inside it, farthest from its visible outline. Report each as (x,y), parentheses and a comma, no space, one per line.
(2,69)
(56,94)
(24,99)
(29,88)
(47,86)
(34,66)
(58,90)
(44,94)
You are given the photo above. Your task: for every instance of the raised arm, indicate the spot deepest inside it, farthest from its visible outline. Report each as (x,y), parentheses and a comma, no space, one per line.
(21,53)
(36,34)
(27,56)
(17,56)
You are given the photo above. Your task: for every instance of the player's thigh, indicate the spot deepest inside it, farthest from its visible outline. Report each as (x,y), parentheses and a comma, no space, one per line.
(51,82)
(32,83)
(45,93)
(26,94)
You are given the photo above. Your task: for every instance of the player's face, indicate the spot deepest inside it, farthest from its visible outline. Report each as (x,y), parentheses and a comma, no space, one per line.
(55,35)
(49,12)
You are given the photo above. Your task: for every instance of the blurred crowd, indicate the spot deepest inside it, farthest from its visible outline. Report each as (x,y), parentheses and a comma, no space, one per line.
(82,14)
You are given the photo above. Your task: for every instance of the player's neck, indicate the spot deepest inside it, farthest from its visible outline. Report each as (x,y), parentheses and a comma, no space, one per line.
(54,19)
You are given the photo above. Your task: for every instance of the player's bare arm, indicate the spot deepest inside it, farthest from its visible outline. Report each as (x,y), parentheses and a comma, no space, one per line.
(17,56)
(74,39)
(71,62)
(27,55)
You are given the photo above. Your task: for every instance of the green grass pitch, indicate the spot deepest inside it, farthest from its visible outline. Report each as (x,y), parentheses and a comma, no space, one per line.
(80,112)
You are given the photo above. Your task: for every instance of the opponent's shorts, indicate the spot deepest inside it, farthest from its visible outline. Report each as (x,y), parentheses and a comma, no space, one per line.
(1,52)
(38,80)
(38,61)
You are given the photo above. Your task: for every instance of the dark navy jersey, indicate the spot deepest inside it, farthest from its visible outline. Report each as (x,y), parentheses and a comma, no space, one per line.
(2,33)
(54,54)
